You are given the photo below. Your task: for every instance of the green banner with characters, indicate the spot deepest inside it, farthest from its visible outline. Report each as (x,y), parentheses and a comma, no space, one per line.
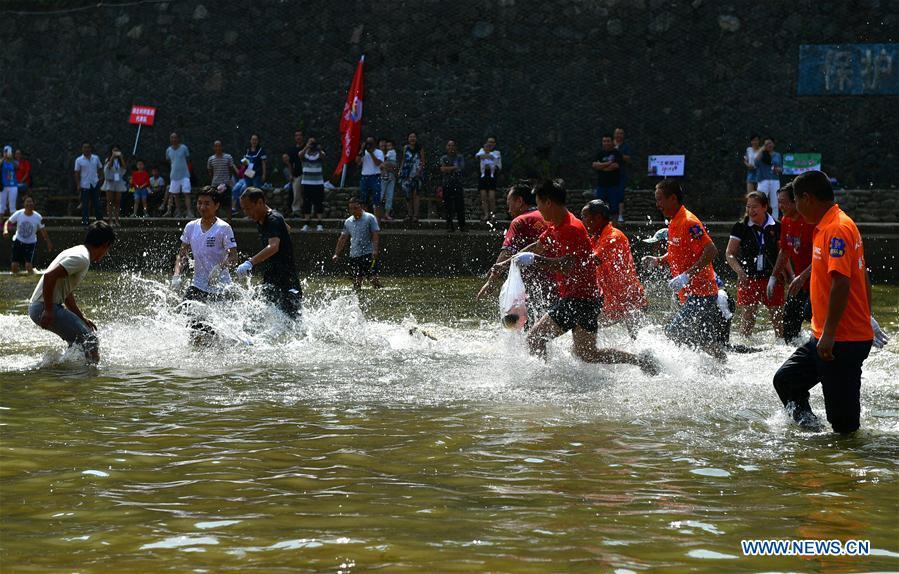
(796,163)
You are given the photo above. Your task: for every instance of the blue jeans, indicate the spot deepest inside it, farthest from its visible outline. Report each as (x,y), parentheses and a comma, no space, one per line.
(370,189)
(612,194)
(236,191)
(698,323)
(67,325)
(389,188)
(90,194)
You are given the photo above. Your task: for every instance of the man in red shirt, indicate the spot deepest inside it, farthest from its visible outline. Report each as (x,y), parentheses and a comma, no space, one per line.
(526,228)
(564,248)
(623,297)
(843,328)
(690,255)
(793,264)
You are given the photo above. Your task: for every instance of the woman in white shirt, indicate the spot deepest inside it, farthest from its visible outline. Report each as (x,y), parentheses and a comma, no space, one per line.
(491,163)
(114,184)
(749,163)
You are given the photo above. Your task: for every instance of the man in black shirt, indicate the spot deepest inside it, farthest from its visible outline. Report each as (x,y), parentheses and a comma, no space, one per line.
(281,284)
(608,175)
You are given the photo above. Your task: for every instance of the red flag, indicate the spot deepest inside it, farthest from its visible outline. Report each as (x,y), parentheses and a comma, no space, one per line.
(351,120)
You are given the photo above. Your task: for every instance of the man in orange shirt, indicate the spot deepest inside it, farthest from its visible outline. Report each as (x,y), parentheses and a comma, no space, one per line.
(842,326)
(793,264)
(690,255)
(623,297)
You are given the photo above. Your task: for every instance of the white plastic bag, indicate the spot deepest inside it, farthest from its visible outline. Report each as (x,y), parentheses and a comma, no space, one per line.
(513,310)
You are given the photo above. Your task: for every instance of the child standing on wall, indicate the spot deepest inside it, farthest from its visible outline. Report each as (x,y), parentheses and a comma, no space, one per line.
(157,185)
(140,182)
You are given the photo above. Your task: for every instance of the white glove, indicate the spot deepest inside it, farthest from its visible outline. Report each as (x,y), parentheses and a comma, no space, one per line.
(679,282)
(771,283)
(524,259)
(244,268)
(175,282)
(880,338)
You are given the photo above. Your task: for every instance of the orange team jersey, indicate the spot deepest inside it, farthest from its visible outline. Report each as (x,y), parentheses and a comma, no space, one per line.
(570,238)
(796,240)
(837,248)
(687,238)
(616,272)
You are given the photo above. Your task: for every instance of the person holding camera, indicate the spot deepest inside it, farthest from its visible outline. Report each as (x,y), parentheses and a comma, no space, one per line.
(370,158)
(114,184)
(312,183)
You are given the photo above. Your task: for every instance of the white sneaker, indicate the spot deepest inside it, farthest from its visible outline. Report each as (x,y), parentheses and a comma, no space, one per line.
(304,228)
(319,228)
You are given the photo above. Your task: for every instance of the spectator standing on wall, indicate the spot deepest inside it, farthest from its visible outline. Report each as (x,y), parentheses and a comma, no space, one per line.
(296,173)
(370,158)
(10,188)
(114,184)
(221,168)
(491,163)
(412,175)
(451,166)
(23,172)
(257,173)
(624,149)
(769,165)
(388,179)
(608,175)
(88,175)
(178,155)
(158,187)
(749,163)
(313,183)
(140,181)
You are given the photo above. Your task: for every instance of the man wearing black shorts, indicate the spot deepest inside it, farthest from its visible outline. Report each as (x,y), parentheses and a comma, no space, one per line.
(362,231)
(565,249)
(281,284)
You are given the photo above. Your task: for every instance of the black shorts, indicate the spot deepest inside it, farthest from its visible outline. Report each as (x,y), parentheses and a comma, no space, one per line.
(487,182)
(571,313)
(23,253)
(363,267)
(286,297)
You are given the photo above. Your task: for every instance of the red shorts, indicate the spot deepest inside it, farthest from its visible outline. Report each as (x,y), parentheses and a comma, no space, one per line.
(754,291)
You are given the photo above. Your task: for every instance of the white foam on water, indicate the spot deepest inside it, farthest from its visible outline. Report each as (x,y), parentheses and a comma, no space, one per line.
(180,541)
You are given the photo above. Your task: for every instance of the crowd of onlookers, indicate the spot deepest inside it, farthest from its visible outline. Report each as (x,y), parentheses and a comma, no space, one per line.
(137,187)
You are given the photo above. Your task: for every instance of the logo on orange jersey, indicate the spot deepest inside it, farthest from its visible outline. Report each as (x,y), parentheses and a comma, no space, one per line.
(696,231)
(837,247)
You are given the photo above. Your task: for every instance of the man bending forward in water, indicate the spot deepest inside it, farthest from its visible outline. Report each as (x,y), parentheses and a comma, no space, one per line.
(565,249)
(53,305)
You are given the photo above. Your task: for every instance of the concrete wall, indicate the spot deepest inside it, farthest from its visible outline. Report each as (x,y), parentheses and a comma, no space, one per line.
(547,78)
(150,246)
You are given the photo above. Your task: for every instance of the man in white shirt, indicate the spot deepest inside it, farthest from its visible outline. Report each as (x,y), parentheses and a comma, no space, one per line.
(53,306)
(28,222)
(370,158)
(88,177)
(178,155)
(211,240)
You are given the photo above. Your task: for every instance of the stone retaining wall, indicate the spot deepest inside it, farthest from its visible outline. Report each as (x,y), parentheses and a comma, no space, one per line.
(867,205)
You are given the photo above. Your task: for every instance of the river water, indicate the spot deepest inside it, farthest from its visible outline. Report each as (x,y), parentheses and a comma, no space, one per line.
(403,430)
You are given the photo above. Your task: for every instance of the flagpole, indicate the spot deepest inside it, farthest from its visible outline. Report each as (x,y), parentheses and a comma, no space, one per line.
(136,139)
(343,176)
